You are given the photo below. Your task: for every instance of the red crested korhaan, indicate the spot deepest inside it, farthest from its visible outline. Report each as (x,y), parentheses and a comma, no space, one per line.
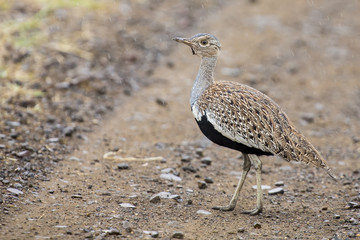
(240,117)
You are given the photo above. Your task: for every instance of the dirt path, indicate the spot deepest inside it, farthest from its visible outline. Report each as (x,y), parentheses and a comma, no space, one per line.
(303,55)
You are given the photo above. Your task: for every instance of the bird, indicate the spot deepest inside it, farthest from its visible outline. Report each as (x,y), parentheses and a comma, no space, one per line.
(239,117)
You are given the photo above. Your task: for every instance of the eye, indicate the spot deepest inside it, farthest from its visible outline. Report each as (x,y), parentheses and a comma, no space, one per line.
(204,42)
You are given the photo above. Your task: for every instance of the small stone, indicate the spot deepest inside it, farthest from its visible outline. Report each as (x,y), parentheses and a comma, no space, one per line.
(153,234)
(127,205)
(51,191)
(199,151)
(206,160)
(178,235)
(122,166)
(126,226)
(76,196)
(241,230)
(15,191)
(203,212)
(53,140)
(263,187)
(352,205)
(76,159)
(68,131)
(307,118)
(189,169)
(186,158)
(277,190)
(279,184)
(202,184)
(170,177)
(18,185)
(257,225)
(209,180)
(27,166)
(112,232)
(162,102)
(2,146)
(189,190)
(170,170)
(155,199)
(355,139)
(336,216)
(25,153)
(13,123)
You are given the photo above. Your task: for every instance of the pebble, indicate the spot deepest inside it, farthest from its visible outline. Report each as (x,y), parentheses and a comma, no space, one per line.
(27,166)
(186,158)
(164,195)
(189,169)
(13,124)
(189,190)
(153,234)
(351,205)
(279,184)
(263,187)
(336,216)
(76,196)
(199,151)
(111,232)
(122,166)
(18,185)
(170,177)
(15,191)
(68,131)
(76,159)
(206,160)
(52,140)
(126,226)
(127,205)
(202,184)
(204,212)
(209,180)
(277,190)
(307,118)
(170,170)
(178,235)
(155,199)
(355,139)
(25,153)
(257,225)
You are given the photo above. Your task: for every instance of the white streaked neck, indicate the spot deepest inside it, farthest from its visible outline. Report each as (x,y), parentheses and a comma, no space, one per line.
(204,78)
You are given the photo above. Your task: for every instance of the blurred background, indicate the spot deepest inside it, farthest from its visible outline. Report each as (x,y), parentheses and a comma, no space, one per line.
(66,65)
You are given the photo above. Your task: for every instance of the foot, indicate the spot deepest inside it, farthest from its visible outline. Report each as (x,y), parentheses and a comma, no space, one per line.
(253,212)
(224,208)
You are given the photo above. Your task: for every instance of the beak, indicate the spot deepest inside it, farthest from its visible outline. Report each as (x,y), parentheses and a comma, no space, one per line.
(185,41)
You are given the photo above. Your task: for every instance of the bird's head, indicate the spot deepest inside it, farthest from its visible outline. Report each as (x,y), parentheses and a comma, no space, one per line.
(202,44)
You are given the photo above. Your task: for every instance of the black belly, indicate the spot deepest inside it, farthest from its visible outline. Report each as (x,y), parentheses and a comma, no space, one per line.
(211,133)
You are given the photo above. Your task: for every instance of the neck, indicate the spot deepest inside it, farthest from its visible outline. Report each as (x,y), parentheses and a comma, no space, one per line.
(204,78)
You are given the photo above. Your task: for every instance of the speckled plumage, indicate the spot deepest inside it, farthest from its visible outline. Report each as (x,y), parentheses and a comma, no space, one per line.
(239,117)
(252,118)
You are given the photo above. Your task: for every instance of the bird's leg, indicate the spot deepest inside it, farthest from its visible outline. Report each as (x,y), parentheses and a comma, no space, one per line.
(259,196)
(232,203)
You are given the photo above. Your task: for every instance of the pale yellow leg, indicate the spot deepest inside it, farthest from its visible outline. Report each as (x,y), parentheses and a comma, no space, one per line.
(259,196)
(232,204)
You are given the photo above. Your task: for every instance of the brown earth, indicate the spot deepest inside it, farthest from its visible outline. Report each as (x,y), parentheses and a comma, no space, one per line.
(304,54)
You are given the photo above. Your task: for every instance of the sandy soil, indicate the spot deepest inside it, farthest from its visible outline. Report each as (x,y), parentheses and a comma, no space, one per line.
(305,55)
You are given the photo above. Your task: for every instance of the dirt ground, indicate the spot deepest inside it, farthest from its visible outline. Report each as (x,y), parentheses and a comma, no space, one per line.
(305,55)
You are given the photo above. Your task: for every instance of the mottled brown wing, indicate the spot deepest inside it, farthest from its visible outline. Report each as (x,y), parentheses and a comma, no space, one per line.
(250,117)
